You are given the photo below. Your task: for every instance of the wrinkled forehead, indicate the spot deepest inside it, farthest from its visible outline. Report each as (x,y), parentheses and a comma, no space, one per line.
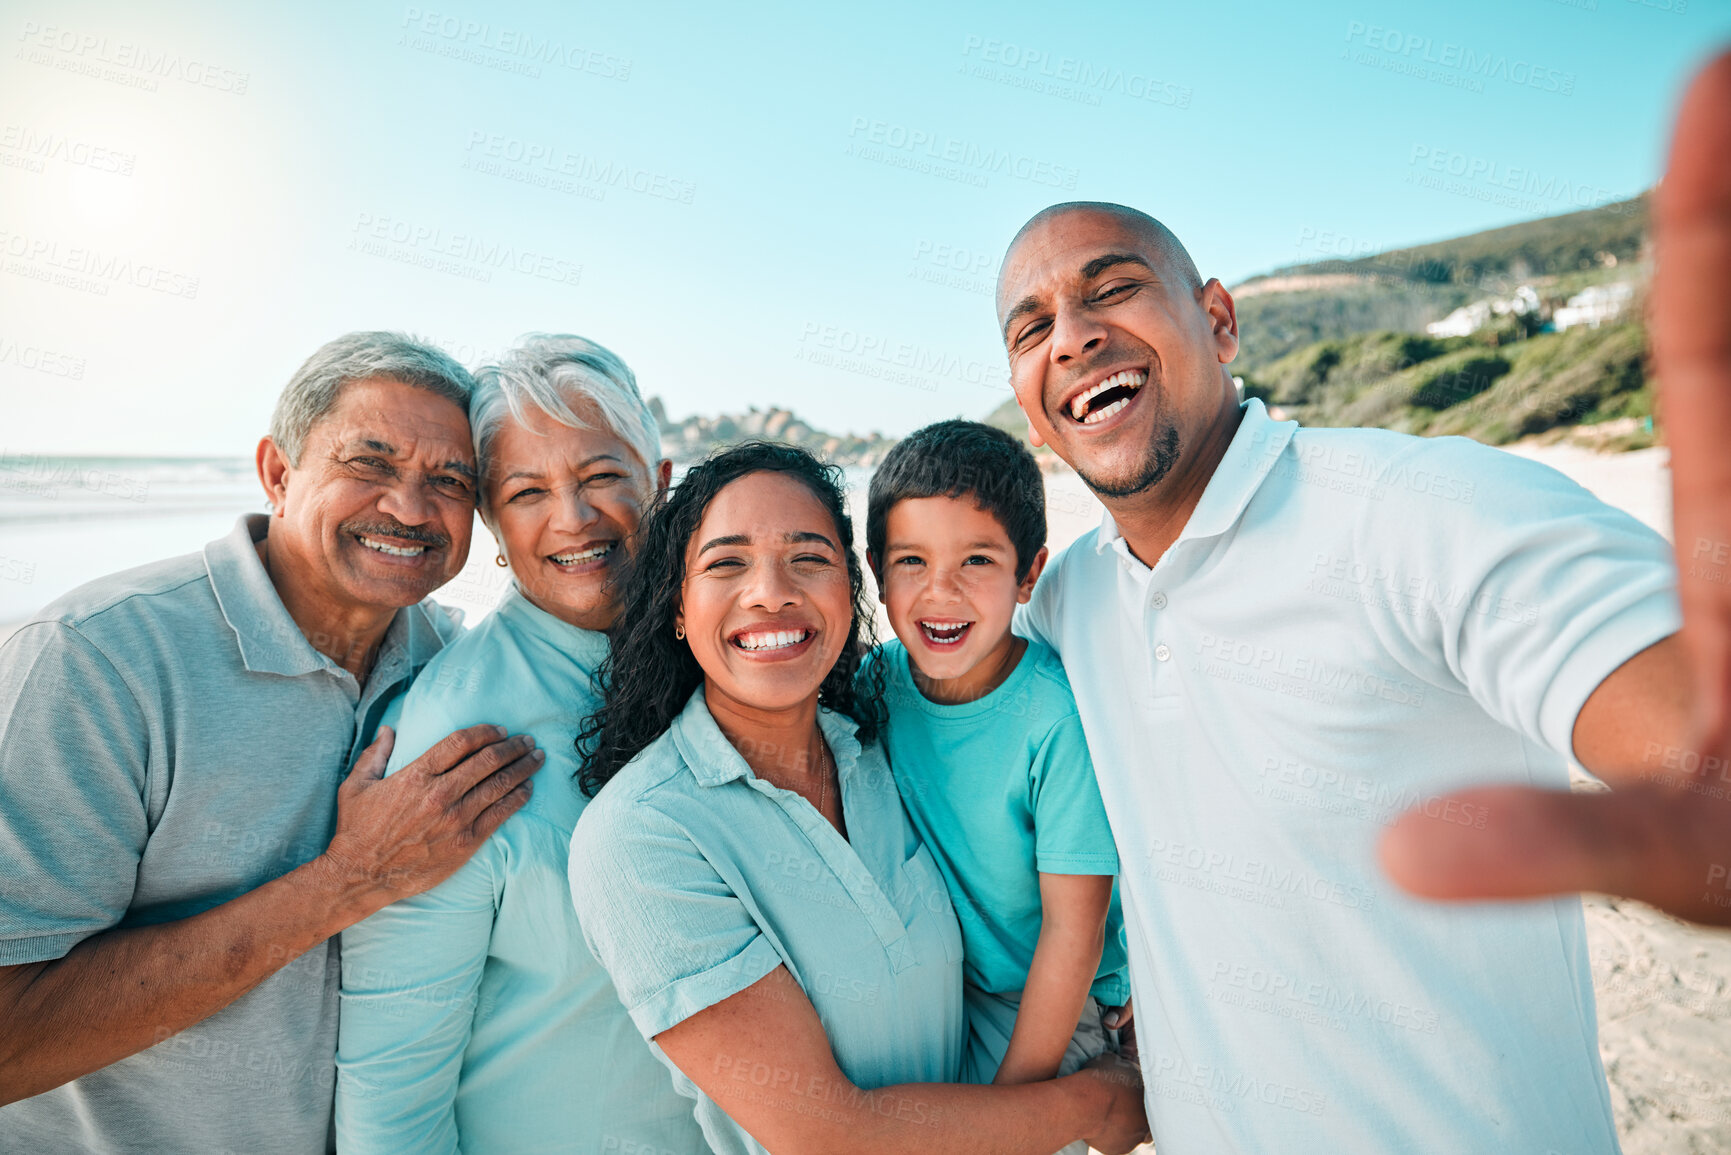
(1055,249)
(409,421)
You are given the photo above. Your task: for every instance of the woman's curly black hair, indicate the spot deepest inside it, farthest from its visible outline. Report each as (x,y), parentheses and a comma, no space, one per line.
(649,674)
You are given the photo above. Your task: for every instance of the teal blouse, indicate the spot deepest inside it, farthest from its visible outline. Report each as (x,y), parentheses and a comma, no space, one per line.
(474,1016)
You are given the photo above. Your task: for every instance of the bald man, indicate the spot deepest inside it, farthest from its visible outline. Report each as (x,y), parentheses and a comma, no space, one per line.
(1281,639)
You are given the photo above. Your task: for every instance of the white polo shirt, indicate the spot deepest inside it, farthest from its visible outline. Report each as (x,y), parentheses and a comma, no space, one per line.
(1354,622)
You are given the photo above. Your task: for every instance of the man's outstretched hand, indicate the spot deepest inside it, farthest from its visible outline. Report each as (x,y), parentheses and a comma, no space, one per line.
(1665,839)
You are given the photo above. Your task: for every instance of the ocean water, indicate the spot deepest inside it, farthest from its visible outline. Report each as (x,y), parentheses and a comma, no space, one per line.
(67,520)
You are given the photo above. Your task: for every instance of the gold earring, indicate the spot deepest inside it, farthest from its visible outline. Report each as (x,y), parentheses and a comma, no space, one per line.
(500,561)
(679,633)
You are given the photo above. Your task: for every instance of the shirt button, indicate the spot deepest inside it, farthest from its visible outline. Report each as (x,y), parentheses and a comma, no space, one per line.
(1161,652)
(1158,601)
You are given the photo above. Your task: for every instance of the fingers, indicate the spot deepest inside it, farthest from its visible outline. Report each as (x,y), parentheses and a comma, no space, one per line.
(1117,1017)
(497,786)
(1127,1048)
(451,750)
(1692,220)
(370,766)
(494,816)
(462,778)
(414,830)
(1663,846)
(1691,331)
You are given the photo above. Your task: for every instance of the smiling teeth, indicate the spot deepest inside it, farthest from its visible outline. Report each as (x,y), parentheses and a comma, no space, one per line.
(583,555)
(393,550)
(1100,415)
(944,633)
(772,639)
(1126,378)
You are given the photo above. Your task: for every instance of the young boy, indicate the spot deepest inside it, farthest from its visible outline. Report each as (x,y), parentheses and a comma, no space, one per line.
(987,748)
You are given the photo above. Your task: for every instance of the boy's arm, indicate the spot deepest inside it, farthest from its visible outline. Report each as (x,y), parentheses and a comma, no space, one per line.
(1072,934)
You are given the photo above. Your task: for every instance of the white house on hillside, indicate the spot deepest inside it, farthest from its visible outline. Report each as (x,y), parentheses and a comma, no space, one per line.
(1469,319)
(1594,305)
(1463,322)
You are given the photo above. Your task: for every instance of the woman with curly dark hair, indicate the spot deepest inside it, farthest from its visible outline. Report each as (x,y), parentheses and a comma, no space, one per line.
(746,873)
(651,672)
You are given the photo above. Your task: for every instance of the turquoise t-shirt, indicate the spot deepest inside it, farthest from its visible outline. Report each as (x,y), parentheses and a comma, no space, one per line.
(1002,790)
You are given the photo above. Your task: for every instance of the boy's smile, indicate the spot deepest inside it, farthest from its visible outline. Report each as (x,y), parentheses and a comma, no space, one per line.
(948,580)
(944,632)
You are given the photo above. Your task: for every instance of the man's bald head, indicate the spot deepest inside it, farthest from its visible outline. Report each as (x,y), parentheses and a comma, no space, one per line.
(1161,239)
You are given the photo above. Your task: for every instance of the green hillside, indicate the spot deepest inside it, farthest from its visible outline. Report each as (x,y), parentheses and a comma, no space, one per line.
(1404,289)
(1466,385)
(1272,325)
(1500,258)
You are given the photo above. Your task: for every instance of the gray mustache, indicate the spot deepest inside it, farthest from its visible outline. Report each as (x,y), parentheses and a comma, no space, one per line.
(397,530)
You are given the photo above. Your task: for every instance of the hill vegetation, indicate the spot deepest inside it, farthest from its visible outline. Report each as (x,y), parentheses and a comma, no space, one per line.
(1491,392)
(1402,290)
(1498,259)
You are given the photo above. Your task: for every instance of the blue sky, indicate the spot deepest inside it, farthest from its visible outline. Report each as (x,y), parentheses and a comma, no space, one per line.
(766,204)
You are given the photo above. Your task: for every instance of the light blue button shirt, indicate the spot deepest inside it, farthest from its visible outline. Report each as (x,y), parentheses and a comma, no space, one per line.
(694,878)
(473,1015)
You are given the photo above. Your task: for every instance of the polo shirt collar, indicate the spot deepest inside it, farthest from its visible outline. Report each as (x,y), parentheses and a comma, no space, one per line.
(409,643)
(587,648)
(269,640)
(713,761)
(1255,447)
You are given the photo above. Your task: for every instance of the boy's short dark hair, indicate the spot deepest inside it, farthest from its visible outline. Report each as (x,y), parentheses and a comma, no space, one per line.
(957,459)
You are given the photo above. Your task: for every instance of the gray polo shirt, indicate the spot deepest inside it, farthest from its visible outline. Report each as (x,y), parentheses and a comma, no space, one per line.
(169,740)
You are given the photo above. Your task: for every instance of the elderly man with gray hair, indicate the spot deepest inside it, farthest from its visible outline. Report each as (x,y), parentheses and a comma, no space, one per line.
(177,835)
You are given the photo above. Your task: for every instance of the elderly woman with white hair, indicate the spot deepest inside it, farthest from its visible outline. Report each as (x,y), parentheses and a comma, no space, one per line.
(473,1016)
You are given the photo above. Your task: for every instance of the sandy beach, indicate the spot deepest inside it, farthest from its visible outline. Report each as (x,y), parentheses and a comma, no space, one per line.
(1662,986)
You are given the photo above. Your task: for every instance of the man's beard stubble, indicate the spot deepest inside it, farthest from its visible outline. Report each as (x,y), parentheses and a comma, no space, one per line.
(1162,456)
